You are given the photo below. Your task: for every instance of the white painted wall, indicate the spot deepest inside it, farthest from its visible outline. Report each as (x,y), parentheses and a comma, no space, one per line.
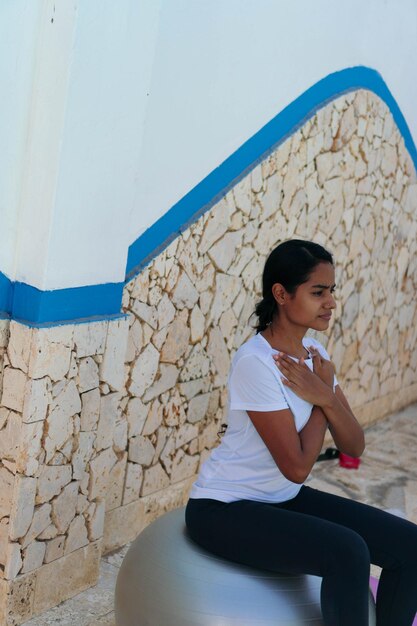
(118,108)
(227,68)
(18,42)
(78,73)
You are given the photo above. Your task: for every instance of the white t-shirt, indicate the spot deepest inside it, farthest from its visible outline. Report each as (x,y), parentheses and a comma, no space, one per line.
(241,467)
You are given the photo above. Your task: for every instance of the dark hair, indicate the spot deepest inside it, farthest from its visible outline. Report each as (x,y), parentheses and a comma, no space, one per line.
(290,264)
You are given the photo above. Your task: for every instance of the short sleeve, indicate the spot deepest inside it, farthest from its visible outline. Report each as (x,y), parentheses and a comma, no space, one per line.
(254,387)
(324,354)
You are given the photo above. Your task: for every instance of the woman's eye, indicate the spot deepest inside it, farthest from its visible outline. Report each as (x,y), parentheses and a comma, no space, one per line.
(317,293)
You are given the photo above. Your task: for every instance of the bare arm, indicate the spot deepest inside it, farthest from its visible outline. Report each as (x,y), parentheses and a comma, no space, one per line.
(294,453)
(346,431)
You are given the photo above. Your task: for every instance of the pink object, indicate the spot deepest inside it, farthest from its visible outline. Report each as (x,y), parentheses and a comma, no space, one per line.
(373,583)
(350,462)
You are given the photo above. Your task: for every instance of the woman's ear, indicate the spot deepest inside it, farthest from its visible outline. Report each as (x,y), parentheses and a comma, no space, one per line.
(279,293)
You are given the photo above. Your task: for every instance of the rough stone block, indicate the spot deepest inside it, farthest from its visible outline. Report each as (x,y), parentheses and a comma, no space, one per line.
(218,223)
(146,313)
(185,433)
(120,436)
(109,411)
(219,354)
(16,599)
(196,366)
(144,371)
(36,400)
(183,466)
(51,481)
(64,507)
(59,422)
(95,521)
(4,332)
(175,496)
(242,193)
(90,338)
(87,375)
(54,549)
(140,287)
(50,352)
(185,295)
(154,418)
(133,483)
(90,411)
(33,556)
(29,448)
(227,288)
(116,482)
(18,348)
(123,524)
(75,571)
(100,468)
(197,324)
(141,450)
(49,533)
(177,340)
(4,538)
(227,324)
(165,312)
(14,383)
(168,376)
(224,251)
(10,437)
(41,521)
(136,413)
(13,561)
(23,505)
(112,366)
(77,536)
(154,479)
(83,453)
(134,341)
(173,411)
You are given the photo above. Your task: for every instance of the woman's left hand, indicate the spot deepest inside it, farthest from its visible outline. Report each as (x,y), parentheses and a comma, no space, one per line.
(298,377)
(323,367)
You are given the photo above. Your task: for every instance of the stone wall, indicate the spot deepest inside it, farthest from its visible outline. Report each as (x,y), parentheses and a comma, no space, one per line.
(59,411)
(104,425)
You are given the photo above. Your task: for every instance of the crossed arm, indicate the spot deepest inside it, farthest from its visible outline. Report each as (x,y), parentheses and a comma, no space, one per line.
(296,452)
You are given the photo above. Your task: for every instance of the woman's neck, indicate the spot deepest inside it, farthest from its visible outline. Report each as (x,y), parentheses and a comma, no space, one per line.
(286,340)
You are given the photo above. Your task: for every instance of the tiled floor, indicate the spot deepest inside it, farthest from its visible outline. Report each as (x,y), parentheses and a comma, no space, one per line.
(386,478)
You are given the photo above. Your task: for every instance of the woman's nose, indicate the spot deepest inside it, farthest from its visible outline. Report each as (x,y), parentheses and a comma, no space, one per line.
(332,302)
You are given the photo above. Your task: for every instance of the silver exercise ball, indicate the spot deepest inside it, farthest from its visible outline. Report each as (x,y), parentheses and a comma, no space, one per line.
(167,580)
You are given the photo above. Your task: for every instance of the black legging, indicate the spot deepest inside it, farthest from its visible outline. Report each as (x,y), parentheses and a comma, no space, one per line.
(325,535)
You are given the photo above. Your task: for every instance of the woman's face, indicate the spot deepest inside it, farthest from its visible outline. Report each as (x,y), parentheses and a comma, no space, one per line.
(312,303)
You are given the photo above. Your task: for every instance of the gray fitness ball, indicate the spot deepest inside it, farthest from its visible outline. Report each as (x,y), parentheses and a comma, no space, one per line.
(167,580)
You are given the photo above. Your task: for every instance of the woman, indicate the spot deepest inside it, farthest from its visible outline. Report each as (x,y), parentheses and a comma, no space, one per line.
(249,503)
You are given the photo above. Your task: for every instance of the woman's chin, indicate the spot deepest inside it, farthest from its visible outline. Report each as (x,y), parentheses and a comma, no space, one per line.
(321,324)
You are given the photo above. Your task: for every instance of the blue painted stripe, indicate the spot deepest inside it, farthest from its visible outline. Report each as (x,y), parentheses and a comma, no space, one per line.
(79,304)
(38,308)
(217,183)
(6,294)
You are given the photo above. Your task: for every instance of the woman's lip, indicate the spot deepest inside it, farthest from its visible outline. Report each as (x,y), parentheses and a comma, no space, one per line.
(325,317)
